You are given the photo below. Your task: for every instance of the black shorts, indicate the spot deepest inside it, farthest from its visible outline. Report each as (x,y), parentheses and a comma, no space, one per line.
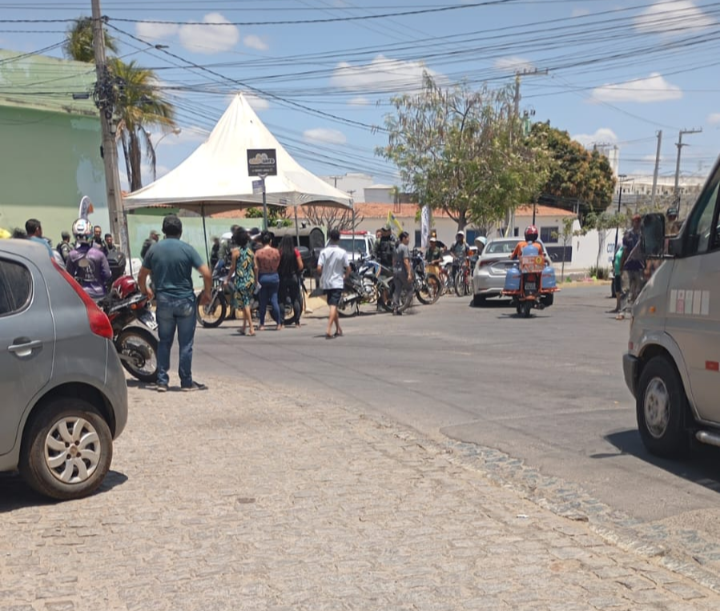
(333,296)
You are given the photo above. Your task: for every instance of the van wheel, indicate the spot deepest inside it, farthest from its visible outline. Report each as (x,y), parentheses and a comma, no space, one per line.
(478,301)
(66,450)
(662,409)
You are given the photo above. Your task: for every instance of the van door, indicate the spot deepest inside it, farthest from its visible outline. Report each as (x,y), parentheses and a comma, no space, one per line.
(26,342)
(693,314)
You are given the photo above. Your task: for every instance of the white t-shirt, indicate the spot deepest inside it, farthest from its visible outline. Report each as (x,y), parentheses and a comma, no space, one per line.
(333,260)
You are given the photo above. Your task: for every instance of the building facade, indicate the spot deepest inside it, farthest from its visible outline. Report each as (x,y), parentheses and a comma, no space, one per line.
(49,143)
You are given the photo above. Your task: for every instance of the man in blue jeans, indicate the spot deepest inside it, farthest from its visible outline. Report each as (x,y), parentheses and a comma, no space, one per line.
(171,263)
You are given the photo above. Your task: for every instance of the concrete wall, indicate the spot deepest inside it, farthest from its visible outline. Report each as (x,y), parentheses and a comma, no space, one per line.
(49,161)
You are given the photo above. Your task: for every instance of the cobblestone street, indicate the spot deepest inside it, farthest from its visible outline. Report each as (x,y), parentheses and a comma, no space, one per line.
(231,499)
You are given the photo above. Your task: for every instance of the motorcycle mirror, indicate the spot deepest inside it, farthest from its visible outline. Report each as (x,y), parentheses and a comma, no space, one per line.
(653,235)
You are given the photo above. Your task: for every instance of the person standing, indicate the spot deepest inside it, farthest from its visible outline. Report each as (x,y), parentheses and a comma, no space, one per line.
(171,263)
(267,260)
(87,264)
(632,263)
(214,252)
(333,269)
(290,269)
(109,247)
(97,238)
(149,243)
(33,230)
(617,280)
(402,272)
(64,247)
(242,262)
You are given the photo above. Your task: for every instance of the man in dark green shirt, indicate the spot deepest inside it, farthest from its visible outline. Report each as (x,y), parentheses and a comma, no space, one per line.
(171,263)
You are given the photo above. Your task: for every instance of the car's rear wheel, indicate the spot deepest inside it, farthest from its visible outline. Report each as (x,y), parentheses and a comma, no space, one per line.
(66,450)
(662,409)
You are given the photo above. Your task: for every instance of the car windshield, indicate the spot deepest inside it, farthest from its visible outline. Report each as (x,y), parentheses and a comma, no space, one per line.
(360,244)
(501,248)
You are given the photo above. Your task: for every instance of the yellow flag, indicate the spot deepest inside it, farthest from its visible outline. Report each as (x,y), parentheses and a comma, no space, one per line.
(391,220)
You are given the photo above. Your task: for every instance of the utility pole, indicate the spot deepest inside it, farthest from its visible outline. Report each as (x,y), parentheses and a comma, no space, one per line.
(518,75)
(657,170)
(680,145)
(621,180)
(105,97)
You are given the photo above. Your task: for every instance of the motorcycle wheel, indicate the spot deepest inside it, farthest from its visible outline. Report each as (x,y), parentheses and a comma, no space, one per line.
(385,295)
(348,304)
(370,284)
(141,346)
(213,314)
(524,308)
(429,293)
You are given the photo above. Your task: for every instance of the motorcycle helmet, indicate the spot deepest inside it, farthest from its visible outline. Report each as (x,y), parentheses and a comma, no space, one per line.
(123,287)
(531,233)
(82,229)
(480,240)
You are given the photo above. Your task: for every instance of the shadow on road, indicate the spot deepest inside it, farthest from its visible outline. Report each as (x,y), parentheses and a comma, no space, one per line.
(16,494)
(699,468)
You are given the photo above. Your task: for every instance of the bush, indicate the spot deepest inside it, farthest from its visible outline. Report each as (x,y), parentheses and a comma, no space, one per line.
(601,273)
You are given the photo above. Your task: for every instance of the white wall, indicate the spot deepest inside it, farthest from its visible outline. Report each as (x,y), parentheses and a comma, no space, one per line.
(585,250)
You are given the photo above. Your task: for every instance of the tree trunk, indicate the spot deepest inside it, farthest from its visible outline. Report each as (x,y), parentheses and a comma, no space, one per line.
(462,220)
(135,162)
(127,160)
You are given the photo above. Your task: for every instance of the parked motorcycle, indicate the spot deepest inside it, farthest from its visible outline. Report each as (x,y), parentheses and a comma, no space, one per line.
(134,328)
(531,283)
(361,287)
(428,286)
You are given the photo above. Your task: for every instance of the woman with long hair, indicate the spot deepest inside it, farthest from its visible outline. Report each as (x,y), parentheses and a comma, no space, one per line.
(290,268)
(267,260)
(245,269)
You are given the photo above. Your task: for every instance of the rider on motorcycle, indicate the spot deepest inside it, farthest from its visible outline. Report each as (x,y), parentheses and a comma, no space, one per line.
(459,251)
(531,236)
(89,266)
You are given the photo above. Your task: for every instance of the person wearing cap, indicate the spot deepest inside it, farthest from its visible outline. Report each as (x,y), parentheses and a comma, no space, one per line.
(433,254)
(632,262)
(673,224)
(385,248)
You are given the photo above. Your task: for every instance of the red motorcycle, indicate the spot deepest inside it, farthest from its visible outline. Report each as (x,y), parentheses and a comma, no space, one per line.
(134,328)
(531,283)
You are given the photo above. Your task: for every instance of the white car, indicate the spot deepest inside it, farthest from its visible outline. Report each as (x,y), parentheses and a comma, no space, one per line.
(364,244)
(491,268)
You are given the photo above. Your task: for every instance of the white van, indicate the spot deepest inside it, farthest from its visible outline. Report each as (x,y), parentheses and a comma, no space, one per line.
(672,366)
(362,244)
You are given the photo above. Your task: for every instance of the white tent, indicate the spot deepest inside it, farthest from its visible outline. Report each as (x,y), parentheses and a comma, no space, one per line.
(215,177)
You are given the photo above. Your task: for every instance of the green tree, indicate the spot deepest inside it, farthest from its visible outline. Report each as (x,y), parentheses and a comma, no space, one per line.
(461,152)
(140,107)
(568,232)
(576,175)
(79,41)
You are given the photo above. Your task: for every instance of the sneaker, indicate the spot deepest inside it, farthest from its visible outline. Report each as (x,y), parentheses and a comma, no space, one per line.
(161,387)
(195,386)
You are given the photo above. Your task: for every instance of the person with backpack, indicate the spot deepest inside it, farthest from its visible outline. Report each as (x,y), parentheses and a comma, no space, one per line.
(88,265)
(64,246)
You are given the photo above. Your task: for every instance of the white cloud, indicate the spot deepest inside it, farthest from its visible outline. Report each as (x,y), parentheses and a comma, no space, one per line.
(714,118)
(604,134)
(209,39)
(652,89)
(256,102)
(382,74)
(580,12)
(513,64)
(359,101)
(255,42)
(680,16)
(322,134)
(155,31)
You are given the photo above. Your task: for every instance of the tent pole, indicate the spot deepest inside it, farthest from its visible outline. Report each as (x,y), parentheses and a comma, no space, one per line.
(352,203)
(207,252)
(265,210)
(297,228)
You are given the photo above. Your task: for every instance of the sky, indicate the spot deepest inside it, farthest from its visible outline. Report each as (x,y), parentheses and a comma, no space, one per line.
(320,74)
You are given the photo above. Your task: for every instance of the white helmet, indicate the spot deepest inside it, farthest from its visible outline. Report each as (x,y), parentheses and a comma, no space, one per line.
(481,240)
(82,229)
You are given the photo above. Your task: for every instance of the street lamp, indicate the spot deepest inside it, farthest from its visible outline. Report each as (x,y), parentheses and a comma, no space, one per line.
(176,131)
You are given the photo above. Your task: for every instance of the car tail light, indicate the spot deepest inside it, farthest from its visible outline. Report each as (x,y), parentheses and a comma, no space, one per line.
(99,322)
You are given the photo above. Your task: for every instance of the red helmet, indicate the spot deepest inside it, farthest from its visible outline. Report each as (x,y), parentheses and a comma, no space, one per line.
(123,287)
(531,233)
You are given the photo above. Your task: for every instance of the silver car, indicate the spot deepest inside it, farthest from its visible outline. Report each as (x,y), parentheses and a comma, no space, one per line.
(63,388)
(491,268)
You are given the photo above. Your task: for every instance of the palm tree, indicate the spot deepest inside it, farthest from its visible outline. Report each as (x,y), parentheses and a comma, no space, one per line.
(140,107)
(79,42)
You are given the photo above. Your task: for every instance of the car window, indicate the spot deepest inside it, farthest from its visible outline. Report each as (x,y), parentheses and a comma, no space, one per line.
(497,248)
(15,287)
(702,229)
(360,245)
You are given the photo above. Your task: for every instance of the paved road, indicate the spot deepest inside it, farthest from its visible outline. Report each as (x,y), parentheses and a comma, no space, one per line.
(548,390)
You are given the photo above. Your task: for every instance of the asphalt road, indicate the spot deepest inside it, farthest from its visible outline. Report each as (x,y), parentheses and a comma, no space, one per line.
(548,390)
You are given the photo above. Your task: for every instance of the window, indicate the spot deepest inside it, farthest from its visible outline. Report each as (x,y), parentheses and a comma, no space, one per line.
(360,244)
(15,287)
(702,233)
(546,235)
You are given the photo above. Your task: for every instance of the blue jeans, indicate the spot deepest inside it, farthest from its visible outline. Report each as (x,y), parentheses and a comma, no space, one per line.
(269,283)
(175,313)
